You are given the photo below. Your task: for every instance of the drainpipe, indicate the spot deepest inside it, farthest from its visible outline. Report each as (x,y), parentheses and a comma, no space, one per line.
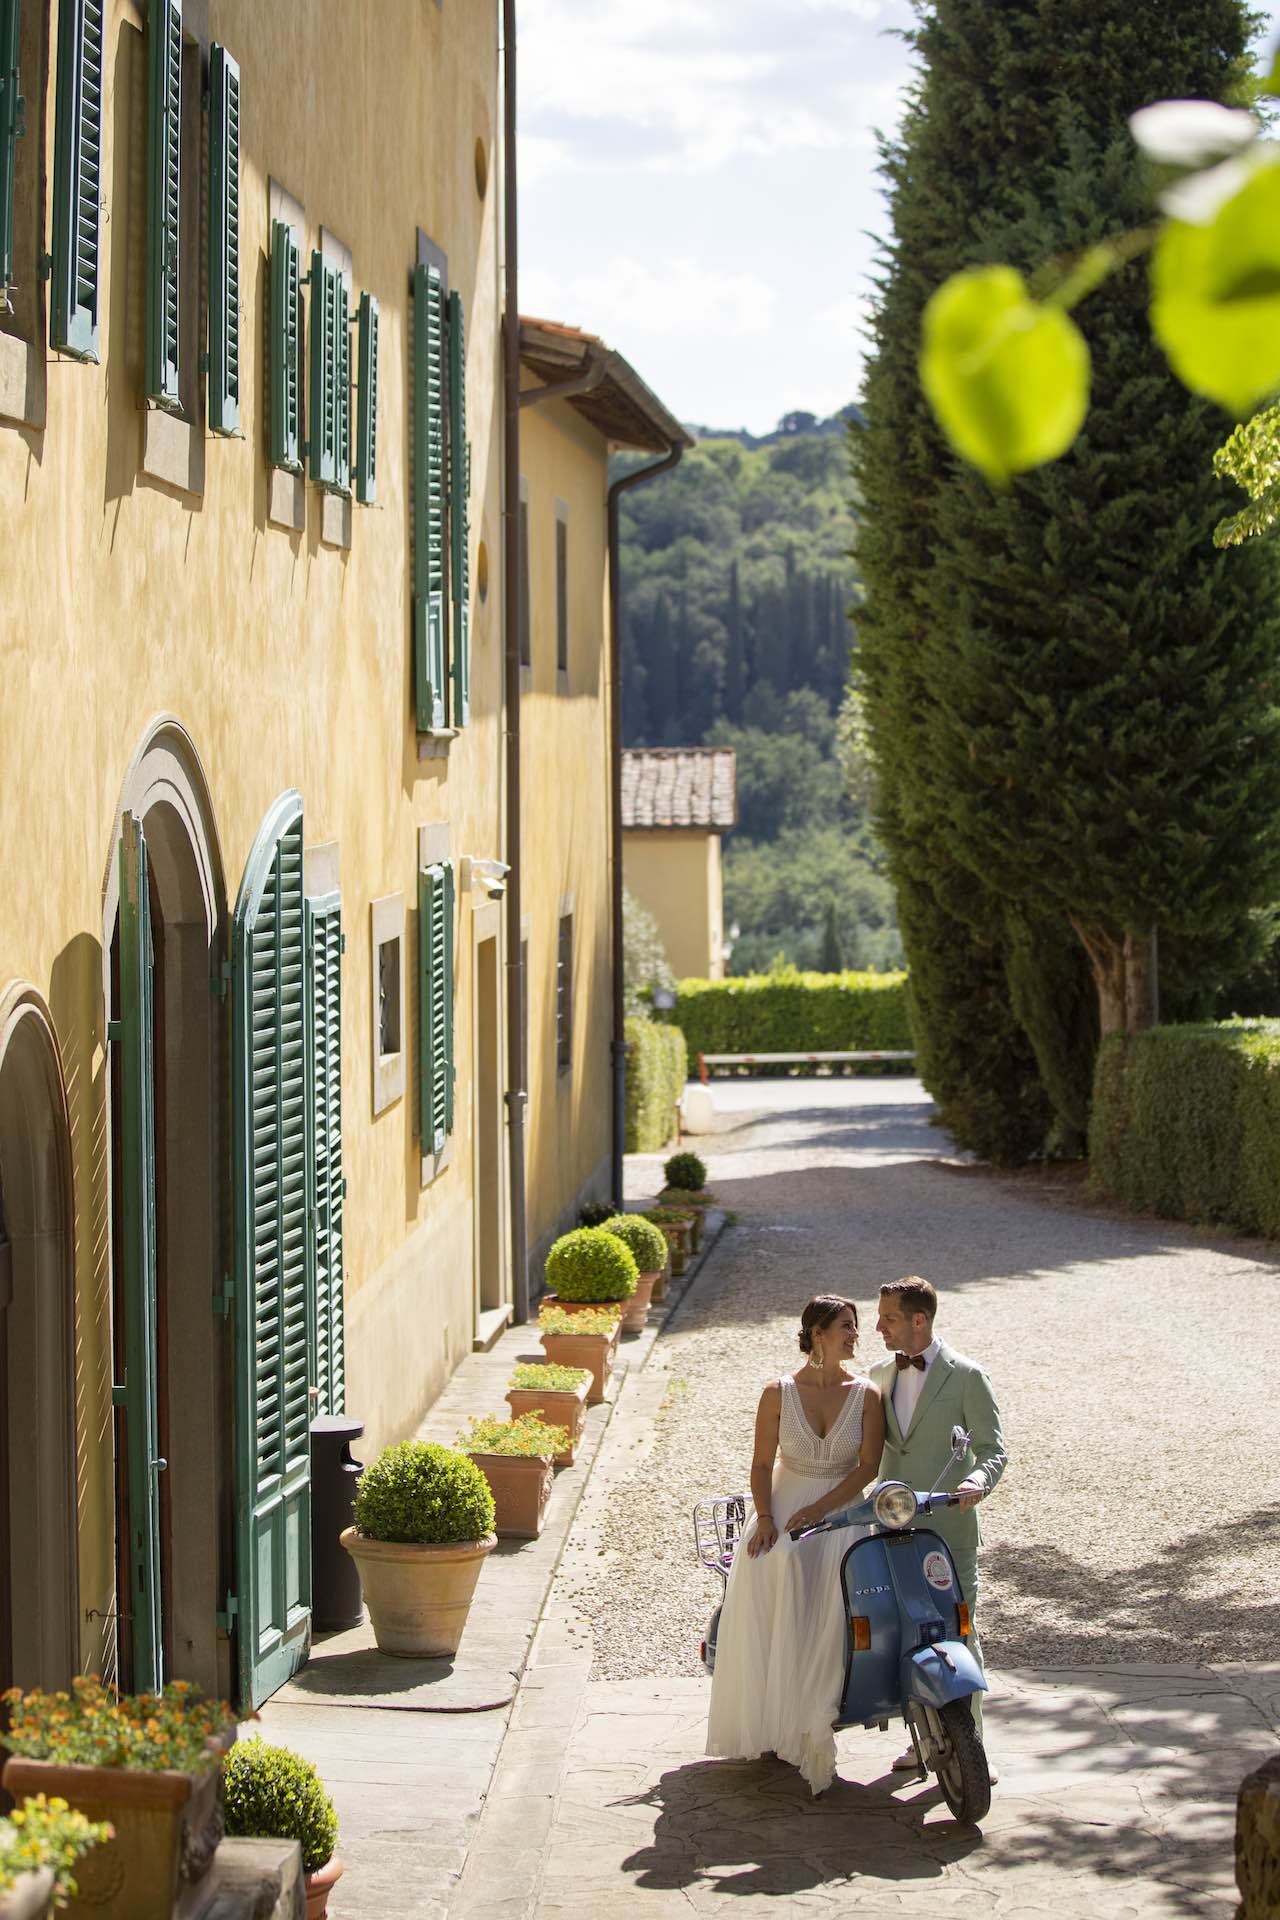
(619,1046)
(517,1093)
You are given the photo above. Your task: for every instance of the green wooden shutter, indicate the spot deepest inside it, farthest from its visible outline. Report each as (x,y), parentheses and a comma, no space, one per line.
(435,1004)
(428,498)
(459,528)
(324,1156)
(274,1335)
(286,348)
(77,180)
(137,1392)
(164,202)
(11,116)
(367,414)
(224,242)
(329,435)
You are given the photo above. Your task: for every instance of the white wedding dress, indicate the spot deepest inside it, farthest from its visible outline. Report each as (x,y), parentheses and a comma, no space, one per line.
(780,1650)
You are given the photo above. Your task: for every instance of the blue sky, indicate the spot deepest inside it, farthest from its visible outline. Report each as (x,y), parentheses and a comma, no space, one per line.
(698,186)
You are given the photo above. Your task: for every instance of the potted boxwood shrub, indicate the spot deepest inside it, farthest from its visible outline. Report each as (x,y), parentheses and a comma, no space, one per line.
(594,1213)
(517,1458)
(150,1763)
(274,1794)
(589,1266)
(423,1525)
(40,1844)
(649,1251)
(677,1226)
(685,1181)
(585,1338)
(557,1394)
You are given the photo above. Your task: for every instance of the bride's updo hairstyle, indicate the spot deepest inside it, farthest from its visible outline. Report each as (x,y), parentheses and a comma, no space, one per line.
(819,1314)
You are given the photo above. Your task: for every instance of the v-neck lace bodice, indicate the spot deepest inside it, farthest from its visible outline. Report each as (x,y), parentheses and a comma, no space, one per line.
(830,1456)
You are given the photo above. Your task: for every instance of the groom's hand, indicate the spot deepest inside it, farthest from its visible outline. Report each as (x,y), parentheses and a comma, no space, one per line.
(971,1491)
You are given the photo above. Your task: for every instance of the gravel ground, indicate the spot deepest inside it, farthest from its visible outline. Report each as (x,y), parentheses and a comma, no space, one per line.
(1136,1364)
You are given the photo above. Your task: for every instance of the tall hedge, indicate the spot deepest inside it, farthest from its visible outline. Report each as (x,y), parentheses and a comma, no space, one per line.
(657,1068)
(795,1012)
(1186,1123)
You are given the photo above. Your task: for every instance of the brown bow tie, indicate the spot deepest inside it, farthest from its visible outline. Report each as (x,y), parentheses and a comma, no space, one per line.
(909,1360)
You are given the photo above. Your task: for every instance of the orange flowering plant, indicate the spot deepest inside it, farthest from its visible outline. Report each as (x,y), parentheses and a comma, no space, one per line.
(47,1833)
(94,1726)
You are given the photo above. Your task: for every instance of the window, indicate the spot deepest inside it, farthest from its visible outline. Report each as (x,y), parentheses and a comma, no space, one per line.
(459,524)
(23,66)
(174,334)
(435,996)
(367,411)
(324,942)
(329,396)
(224,242)
(524,1012)
(388,1000)
(429,285)
(526,655)
(77,180)
(564,994)
(562,588)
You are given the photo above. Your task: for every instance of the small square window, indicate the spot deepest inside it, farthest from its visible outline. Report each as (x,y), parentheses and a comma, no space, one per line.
(564,994)
(387,1012)
(388,999)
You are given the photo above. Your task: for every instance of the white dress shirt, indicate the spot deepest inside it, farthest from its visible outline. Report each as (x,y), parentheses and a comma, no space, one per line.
(908,1387)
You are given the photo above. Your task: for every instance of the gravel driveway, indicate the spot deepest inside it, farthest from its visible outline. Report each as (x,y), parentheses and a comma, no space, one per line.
(1137,1365)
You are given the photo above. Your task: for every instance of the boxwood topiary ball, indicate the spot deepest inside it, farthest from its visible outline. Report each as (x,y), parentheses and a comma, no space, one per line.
(647,1242)
(274,1794)
(423,1494)
(591,1264)
(686,1171)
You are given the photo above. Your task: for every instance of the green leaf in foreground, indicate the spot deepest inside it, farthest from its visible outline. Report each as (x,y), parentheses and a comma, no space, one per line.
(1007,379)
(1215,306)
(1251,457)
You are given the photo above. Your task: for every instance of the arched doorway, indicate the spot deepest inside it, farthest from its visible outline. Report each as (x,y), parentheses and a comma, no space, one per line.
(173,1478)
(38,1595)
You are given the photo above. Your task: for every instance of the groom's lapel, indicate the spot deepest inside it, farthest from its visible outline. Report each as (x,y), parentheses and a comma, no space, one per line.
(887,1375)
(941,1370)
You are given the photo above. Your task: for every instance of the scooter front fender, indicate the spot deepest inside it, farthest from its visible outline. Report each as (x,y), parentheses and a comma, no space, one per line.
(927,1676)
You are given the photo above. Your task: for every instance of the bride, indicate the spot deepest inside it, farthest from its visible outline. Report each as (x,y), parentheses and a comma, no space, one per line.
(780,1649)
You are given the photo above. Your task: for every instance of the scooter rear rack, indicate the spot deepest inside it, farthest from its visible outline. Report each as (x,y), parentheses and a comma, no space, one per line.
(717,1528)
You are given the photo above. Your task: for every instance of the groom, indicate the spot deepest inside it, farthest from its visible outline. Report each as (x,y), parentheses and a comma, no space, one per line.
(927,1389)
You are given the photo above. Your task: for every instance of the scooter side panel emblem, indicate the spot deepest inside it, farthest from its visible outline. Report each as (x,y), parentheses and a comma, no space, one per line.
(937,1571)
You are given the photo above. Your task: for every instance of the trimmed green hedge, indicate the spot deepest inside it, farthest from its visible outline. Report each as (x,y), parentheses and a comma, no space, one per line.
(657,1068)
(795,1012)
(1186,1123)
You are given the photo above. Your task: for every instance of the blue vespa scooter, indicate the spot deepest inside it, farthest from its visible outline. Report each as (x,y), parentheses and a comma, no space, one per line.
(906,1627)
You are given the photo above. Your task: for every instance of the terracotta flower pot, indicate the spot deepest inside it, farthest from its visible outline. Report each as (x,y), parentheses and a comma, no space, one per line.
(319,1885)
(635,1314)
(418,1596)
(676,1234)
(660,1280)
(561,1407)
(521,1486)
(592,1350)
(167,1829)
(30,1897)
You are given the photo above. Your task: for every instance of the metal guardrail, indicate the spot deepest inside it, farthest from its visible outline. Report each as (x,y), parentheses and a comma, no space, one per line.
(706,1060)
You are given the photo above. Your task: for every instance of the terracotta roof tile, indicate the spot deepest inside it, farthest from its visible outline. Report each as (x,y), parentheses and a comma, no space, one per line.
(679,787)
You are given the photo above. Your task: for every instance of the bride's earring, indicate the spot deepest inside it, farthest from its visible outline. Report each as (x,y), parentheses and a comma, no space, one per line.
(815,1358)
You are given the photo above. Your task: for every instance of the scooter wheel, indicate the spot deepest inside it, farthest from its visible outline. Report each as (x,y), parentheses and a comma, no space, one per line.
(962,1770)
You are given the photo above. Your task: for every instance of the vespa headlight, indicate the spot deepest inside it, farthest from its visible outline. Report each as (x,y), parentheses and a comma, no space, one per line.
(895,1505)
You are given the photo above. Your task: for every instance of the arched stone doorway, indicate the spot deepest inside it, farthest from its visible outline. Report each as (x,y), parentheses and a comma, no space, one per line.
(175,1167)
(38,1589)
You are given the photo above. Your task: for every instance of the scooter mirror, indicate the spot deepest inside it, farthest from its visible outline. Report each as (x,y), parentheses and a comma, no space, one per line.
(959,1440)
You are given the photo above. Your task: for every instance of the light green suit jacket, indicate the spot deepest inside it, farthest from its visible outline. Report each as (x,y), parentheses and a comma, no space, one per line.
(956,1393)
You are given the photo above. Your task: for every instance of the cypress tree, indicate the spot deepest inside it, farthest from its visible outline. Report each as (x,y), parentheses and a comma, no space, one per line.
(831,957)
(735,654)
(1070,692)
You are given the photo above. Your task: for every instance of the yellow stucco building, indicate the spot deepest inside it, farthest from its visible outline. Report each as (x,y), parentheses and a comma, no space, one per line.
(255,1063)
(676,804)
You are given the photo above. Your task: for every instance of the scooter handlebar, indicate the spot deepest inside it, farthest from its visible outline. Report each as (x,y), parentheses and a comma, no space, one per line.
(925,1503)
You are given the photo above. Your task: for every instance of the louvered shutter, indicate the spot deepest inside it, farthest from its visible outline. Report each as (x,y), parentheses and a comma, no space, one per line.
(164,202)
(459,528)
(224,242)
(435,1004)
(286,348)
(329,433)
(428,498)
(137,1393)
(367,412)
(274,1334)
(77,180)
(10,126)
(324,1155)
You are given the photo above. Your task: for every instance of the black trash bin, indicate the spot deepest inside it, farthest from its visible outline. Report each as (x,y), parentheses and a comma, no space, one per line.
(335,1579)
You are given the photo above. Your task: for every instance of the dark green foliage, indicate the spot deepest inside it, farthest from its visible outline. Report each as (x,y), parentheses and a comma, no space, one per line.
(647,1243)
(594,1213)
(274,1794)
(424,1494)
(794,1012)
(779,893)
(1186,1123)
(657,1068)
(1070,695)
(591,1264)
(686,1170)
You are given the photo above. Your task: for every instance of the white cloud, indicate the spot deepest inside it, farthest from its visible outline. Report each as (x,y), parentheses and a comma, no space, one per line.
(628,301)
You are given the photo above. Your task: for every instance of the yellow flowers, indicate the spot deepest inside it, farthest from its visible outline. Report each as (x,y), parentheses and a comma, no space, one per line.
(47,1833)
(95,1726)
